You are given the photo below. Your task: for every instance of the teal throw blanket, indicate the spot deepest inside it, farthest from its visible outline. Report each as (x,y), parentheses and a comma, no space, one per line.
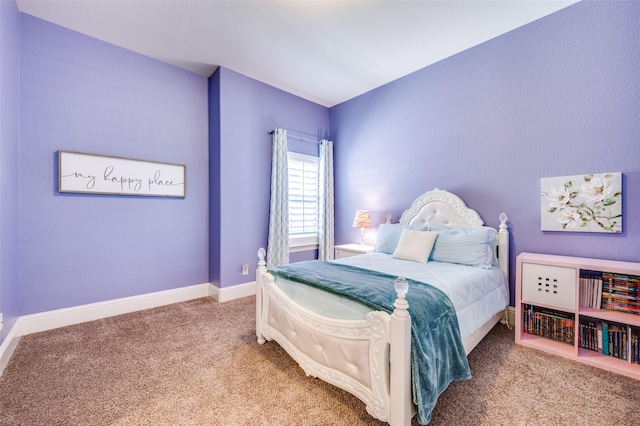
(437,353)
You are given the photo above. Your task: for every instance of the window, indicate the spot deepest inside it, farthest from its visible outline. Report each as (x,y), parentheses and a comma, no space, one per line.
(303,200)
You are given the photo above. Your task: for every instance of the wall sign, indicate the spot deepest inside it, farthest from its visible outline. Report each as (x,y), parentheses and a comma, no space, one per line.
(100,174)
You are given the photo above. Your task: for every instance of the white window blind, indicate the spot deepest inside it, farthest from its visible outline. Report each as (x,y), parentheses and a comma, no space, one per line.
(303,199)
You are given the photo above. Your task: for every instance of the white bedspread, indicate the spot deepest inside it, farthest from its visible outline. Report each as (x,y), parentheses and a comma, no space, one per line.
(476,293)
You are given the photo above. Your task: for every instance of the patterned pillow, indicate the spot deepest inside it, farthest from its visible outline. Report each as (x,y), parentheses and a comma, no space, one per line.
(466,246)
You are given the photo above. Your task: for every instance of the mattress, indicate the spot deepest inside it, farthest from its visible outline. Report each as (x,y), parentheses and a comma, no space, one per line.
(477,294)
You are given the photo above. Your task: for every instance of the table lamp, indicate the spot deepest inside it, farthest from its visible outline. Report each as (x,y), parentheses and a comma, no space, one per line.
(362,220)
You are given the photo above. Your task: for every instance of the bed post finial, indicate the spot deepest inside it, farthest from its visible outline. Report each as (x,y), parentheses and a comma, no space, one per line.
(503,221)
(401,286)
(261,262)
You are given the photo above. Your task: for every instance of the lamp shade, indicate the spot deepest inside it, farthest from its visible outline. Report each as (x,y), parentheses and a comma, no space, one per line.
(362,219)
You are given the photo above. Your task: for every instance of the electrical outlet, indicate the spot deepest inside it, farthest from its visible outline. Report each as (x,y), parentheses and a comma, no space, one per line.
(245,269)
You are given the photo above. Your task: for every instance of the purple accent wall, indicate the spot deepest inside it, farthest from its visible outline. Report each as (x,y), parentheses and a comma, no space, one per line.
(80,94)
(248,110)
(556,97)
(9,171)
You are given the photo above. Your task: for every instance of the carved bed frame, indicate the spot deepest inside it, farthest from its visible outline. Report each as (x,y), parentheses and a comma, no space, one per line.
(368,358)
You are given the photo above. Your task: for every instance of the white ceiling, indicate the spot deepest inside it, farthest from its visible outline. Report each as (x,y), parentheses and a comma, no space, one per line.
(324,51)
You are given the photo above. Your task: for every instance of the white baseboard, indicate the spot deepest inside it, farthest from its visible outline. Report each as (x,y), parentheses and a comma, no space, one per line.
(78,314)
(44,321)
(8,346)
(511,315)
(225,294)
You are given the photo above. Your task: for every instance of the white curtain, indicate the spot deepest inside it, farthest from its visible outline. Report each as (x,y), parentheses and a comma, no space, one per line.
(326,210)
(278,244)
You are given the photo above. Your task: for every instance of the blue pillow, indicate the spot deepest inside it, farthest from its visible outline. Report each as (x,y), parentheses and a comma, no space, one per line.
(388,237)
(466,246)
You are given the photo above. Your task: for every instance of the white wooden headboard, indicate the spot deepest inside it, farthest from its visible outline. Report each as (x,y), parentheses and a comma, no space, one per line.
(444,208)
(441,208)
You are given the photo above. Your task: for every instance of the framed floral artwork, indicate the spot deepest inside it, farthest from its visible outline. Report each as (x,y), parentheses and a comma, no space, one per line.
(582,203)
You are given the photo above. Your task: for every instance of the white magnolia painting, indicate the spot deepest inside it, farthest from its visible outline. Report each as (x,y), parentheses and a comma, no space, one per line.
(582,203)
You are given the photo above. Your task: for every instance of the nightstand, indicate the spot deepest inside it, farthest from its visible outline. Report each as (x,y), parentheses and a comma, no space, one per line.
(348,250)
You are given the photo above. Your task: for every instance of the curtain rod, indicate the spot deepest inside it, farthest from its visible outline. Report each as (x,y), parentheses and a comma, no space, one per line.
(302,138)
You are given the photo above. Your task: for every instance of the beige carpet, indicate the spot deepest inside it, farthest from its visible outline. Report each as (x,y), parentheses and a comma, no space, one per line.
(197,363)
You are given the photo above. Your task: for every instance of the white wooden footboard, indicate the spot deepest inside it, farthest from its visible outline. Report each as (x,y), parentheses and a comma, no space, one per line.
(368,358)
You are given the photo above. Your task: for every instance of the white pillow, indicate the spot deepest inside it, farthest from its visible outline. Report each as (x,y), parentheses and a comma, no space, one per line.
(415,245)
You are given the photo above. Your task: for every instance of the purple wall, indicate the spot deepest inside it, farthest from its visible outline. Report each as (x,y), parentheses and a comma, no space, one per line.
(248,110)
(9,152)
(80,94)
(556,97)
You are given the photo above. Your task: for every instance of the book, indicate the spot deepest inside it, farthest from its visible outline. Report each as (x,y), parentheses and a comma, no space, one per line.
(635,345)
(615,340)
(590,286)
(609,339)
(605,338)
(620,293)
(549,323)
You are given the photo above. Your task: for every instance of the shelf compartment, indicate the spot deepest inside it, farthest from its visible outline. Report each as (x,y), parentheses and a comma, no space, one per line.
(548,345)
(609,315)
(619,366)
(556,325)
(549,285)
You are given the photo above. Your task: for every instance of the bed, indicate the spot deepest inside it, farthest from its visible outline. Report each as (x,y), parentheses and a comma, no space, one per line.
(354,322)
